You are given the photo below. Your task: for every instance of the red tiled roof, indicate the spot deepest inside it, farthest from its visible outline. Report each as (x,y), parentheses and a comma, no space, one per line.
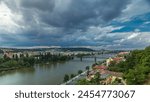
(113,73)
(101,67)
(118,59)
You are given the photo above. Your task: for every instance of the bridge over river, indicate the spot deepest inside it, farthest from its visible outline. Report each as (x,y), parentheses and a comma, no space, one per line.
(95,57)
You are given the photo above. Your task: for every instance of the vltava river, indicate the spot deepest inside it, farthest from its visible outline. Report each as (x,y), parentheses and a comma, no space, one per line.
(48,74)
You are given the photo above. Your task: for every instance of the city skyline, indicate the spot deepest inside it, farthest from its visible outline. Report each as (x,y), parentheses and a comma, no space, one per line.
(110,24)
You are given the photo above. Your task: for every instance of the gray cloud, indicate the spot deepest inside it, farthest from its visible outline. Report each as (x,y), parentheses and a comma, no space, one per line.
(69,13)
(82,13)
(69,22)
(63,17)
(46,5)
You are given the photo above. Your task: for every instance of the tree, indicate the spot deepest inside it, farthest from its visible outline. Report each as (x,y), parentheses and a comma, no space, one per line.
(13,56)
(72,76)
(83,82)
(16,57)
(112,64)
(66,78)
(27,55)
(134,77)
(146,61)
(80,71)
(21,55)
(6,58)
(1,60)
(97,78)
(87,68)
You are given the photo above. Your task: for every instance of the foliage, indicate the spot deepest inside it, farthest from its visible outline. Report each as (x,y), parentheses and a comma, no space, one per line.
(72,76)
(80,71)
(87,68)
(96,79)
(136,67)
(66,78)
(28,61)
(93,81)
(83,82)
(52,58)
(17,62)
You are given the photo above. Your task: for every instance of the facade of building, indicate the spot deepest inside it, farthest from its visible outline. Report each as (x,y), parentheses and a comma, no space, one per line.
(115,59)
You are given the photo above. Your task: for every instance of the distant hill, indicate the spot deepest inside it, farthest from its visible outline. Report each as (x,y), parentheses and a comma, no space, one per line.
(56,49)
(62,49)
(76,49)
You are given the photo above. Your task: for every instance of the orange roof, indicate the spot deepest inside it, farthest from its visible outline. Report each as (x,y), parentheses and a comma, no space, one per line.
(101,67)
(118,59)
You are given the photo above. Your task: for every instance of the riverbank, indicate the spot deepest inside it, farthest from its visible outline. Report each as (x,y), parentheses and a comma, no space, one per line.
(74,80)
(101,75)
(17,62)
(7,69)
(47,74)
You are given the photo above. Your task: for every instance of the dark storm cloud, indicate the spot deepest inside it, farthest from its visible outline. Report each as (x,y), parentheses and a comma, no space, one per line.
(46,5)
(71,13)
(79,13)
(55,22)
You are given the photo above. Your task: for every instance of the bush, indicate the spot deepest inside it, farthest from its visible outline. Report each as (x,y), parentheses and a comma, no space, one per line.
(80,71)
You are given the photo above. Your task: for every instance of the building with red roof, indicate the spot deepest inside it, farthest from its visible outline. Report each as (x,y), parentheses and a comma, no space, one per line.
(101,67)
(118,59)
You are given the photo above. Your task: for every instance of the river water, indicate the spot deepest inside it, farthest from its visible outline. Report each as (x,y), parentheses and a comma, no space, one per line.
(47,74)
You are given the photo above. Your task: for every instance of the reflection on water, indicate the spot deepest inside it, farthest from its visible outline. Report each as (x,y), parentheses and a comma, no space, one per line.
(46,74)
(22,70)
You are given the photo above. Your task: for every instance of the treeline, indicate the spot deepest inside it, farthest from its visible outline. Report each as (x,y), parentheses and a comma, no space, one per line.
(136,68)
(23,62)
(26,61)
(48,57)
(68,77)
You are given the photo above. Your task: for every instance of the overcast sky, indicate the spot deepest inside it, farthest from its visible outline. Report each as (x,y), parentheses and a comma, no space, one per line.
(112,24)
